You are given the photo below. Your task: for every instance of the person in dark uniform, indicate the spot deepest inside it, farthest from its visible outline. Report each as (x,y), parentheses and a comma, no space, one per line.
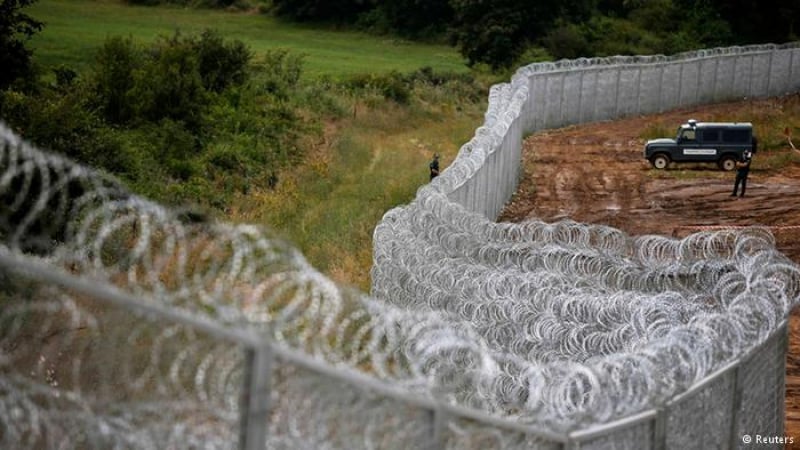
(742,170)
(434,166)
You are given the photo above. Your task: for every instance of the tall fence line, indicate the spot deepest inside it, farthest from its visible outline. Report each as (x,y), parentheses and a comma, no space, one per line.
(551,95)
(122,326)
(450,221)
(673,425)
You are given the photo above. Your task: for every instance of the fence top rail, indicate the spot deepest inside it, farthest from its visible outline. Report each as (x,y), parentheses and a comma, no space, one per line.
(659,59)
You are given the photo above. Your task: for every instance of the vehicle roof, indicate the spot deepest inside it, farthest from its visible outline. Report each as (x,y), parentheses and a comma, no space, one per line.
(720,125)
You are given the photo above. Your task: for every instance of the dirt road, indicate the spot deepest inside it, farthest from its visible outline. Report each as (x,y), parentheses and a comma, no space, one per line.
(596,173)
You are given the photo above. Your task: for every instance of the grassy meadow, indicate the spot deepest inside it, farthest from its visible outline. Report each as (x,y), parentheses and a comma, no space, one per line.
(74,28)
(330,205)
(367,159)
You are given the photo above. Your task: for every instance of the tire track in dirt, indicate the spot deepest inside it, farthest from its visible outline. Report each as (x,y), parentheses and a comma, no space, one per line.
(596,173)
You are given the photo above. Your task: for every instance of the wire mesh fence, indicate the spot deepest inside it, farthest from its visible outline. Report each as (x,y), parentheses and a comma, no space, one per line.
(125,326)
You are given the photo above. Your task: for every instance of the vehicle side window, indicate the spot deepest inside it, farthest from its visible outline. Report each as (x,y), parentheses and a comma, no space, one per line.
(688,135)
(710,135)
(736,136)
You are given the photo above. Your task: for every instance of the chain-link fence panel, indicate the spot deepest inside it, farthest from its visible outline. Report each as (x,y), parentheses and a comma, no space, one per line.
(77,372)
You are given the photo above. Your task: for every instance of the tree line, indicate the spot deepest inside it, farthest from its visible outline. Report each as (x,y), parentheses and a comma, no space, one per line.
(499,32)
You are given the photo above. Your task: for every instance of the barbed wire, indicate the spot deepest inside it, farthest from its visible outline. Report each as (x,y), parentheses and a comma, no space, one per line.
(560,324)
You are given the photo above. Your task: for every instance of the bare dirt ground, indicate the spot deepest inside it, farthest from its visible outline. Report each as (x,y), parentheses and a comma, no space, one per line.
(596,173)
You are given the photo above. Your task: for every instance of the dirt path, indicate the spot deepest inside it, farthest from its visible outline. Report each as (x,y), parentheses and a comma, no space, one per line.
(596,173)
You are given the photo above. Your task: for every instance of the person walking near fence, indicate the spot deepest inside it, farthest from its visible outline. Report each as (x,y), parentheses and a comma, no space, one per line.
(434,166)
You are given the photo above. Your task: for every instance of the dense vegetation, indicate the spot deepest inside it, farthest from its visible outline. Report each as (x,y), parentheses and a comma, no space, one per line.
(201,120)
(499,32)
(15,28)
(168,111)
(197,112)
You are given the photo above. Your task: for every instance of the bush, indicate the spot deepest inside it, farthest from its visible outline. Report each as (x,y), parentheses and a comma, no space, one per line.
(221,64)
(566,41)
(185,116)
(280,71)
(169,85)
(175,148)
(391,86)
(173,79)
(218,4)
(116,64)
(340,11)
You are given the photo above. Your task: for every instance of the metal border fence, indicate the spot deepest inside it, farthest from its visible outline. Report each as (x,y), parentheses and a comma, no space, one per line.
(744,398)
(755,408)
(542,96)
(551,95)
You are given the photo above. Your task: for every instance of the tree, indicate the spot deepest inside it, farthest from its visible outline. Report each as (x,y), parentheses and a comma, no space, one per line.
(416,17)
(115,65)
(15,28)
(497,32)
(169,84)
(221,63)
(761,21)
(344,11)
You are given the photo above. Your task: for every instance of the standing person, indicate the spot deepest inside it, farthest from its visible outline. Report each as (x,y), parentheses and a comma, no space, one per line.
(434,166)
(742,171)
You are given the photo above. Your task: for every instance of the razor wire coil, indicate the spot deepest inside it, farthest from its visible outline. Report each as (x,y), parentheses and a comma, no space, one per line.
(560,324)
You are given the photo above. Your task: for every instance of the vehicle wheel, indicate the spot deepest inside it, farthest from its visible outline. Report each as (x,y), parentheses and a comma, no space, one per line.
(727,163)
(660,161)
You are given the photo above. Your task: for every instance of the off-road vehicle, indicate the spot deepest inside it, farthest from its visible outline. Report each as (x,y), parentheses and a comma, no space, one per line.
(721,143)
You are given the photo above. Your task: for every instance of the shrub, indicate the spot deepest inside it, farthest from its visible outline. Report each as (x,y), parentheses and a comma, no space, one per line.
(169,85)
(280,71)
(221,64)
(391,86)
(116,63)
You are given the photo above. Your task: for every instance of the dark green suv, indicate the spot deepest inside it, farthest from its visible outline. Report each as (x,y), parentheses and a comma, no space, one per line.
(721,143)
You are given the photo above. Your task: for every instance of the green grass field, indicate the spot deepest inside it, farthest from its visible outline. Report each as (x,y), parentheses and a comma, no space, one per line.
(75,28)
(329,204)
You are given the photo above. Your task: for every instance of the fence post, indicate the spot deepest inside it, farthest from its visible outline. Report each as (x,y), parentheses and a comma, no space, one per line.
(438,420)
(769,71)
(660,84)
(597,77)
(783,348)
(580,97)
(639,90)
(660,430)
(716,76)
(561,100)
(616,94)
(699,65)
(736,404)
(255,397)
